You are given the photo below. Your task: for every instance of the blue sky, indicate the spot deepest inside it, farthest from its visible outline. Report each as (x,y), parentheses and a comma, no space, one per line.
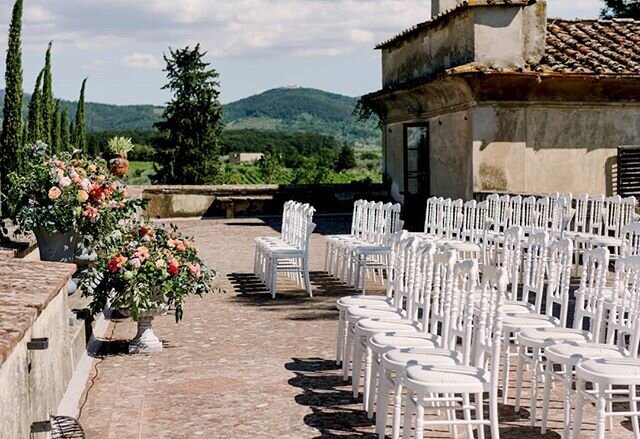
(254,44)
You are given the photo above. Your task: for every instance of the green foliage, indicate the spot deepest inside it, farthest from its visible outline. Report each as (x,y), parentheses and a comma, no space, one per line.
(120,145)
(621,9)
(302,109)
(55,129)
(80,131)
(192,121)
(65,139)
(146,269)
(47,106)
(271,166)
(140,173)
(11,136)
(346,158)
(36,125)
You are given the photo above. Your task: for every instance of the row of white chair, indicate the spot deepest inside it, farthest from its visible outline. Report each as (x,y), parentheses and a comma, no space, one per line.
(367,248)
(288,253)
(403,350)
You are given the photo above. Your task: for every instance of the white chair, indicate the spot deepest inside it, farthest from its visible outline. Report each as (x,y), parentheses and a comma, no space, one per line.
(610,235)
(437,385)
(630,240)
(568,354)
(532,341)
(604,372)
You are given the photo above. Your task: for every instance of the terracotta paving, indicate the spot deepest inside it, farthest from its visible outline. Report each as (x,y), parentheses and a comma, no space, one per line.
(241,365)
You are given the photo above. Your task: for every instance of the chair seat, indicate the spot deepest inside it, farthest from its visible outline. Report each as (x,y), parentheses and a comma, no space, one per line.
(543,337)
(398,359)
(606,241)
(461,246)
(447,379)
(371,326)
(356,300)
(574,352)
(363,312)
(385,341)
(517,322)
(610,371)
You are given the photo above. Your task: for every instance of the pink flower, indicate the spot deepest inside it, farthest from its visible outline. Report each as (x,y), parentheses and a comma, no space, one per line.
(86,184)
(91,213)
(173,267)
(180,246)
(83,195)
(54,193)
(160,263)
(64,181)
(136,263)
(60,173)
(142,253)
(195,269)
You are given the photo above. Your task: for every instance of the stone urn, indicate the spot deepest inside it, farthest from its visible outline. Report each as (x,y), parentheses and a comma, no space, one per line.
(56,247)
(145,340)
(119,165)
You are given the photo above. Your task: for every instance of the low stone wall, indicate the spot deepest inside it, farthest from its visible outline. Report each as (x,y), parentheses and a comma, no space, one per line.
(250,200)
(33,304)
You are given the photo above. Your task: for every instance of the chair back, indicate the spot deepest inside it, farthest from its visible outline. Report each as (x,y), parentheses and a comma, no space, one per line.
(624,305)
(559,275)
(589,298)
(580,216)
(630,240)
(512,257)
(488,325)
(534,268)
(612,214)
(515,205)
(430,216)
(462,308)
(441,293)
(528,217)
(596,215)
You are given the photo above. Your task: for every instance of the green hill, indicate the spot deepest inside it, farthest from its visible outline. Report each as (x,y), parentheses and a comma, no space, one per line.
(302,109)
(280,109)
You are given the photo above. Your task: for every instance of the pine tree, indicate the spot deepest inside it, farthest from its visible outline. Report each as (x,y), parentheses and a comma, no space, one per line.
(55,129)
(620,9)
(80,133)
(65,141)
(47,106)
(346,159)
(189,152)
(36,125)
(11,137)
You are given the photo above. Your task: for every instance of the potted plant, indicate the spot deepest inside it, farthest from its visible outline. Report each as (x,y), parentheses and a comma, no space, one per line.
(119,147)
(143,271)
(64,199)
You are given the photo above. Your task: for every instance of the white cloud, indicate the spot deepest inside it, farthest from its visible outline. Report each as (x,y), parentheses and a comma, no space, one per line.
(93,65)
(138,60)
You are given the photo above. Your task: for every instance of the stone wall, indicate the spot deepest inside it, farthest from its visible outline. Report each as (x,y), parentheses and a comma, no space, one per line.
(33,304)
(250,200)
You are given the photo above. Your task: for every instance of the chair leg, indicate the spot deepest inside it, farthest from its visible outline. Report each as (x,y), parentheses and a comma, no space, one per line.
(480,415)
(373,386)
(274,277)
(546,395)
(519,378)
(601,409)
(368,360)
(307,280)
(397,409)
(568,382)
(493,416)
(506,364)
(382,404)
(347,351)
(467,414)
(340,337)
(534,384)
(408,413)
(577,421)
(420,416)
(357,366)
(633,404)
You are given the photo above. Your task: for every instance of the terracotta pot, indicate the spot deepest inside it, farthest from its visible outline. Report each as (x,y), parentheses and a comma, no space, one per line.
(119,166)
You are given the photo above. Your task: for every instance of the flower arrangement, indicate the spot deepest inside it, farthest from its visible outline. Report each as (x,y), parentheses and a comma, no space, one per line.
(69,193)
(146,268)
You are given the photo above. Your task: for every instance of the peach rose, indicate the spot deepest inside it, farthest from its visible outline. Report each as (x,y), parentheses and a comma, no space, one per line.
(54,193)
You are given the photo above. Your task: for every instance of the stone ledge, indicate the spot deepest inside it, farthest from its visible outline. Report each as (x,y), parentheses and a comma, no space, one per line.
(26,288)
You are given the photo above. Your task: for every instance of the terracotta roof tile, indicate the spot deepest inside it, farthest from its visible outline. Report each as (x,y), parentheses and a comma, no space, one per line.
(592,46)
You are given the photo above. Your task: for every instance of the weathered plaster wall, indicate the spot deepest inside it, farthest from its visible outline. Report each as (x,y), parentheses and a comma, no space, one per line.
(543,148)
(33,382)
(450,155)
(443,46)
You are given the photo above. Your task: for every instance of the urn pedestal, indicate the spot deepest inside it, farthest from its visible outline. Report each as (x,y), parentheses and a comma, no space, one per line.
(145,340)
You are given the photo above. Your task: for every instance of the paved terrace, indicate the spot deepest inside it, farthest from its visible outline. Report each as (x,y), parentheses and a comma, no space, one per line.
(241,365)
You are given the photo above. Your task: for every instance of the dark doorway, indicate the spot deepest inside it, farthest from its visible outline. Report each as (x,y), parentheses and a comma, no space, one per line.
(416,174)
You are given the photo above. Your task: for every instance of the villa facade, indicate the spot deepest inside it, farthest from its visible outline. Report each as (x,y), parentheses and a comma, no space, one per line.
(492,95)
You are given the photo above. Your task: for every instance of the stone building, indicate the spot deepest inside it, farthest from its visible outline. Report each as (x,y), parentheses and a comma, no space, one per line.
(491,95)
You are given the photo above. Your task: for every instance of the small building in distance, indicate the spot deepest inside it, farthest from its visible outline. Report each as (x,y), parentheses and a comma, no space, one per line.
(245,157)
(492,95)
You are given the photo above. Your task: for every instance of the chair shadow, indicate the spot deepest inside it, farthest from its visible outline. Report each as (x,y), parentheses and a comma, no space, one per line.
(334,411)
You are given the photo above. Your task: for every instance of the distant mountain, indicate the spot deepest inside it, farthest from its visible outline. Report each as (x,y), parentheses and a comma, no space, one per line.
(280,109)
(106,117)
(302,109)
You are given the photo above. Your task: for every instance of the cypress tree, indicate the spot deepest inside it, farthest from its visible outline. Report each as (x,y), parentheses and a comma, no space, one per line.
(11,137)
(55,128)
(65,140)
(47,106)
(80,137)
(72,135)
(36,126)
